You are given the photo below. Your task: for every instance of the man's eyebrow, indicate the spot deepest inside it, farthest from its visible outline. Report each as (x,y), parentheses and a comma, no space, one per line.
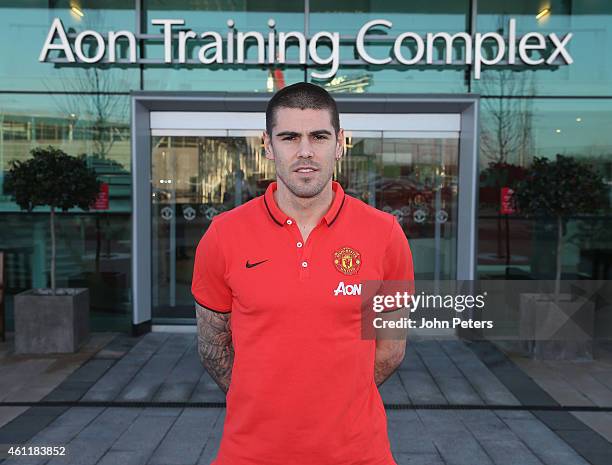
(287,133)
(319,132)
(316,132)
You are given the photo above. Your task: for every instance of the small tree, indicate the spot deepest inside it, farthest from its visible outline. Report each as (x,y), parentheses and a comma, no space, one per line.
(559,189)
(55,179)
(492,179)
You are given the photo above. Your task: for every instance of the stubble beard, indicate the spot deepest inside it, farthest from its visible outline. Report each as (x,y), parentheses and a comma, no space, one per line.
(307,188)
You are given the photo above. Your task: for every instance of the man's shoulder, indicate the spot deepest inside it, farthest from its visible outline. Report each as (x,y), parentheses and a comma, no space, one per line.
(238,215)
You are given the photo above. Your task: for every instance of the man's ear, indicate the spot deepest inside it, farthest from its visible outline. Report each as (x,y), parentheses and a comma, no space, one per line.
(340,141)
(268,146)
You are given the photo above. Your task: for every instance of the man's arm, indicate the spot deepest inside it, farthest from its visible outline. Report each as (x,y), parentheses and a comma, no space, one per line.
(215,345)
(389,355)
(390,347)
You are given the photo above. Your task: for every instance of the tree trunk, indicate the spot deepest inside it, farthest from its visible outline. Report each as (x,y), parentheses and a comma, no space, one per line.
(53,249)
(499,235)
(98,242)
(559,251)
(507,246)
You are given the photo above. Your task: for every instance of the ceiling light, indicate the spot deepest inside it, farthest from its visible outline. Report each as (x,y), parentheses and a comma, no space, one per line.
(543,13)
(77,11)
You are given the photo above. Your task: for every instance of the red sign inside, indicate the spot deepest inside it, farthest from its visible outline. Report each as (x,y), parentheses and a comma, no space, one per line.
(507,204)
(101,202)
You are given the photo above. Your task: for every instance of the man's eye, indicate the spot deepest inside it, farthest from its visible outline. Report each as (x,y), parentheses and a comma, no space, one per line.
(289,138)
(320,137)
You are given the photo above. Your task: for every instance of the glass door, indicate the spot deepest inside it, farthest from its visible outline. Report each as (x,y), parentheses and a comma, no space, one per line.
(199,173)
(414,176)
(194,178)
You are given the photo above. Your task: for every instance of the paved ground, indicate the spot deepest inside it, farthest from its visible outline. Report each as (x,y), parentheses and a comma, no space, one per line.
(578,383)
(29,379)
(450,403)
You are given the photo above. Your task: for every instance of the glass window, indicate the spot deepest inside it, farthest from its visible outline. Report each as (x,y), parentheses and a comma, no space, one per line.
(414,178)
(94,247)
(97,126)
(513,131)
(204,16)
(590,22)
(24,29)
(348,17)
(220,80)
(193,179)
(207,15)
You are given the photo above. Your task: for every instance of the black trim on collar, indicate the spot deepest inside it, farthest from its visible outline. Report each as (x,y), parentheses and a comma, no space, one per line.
(338,212)
(270,212)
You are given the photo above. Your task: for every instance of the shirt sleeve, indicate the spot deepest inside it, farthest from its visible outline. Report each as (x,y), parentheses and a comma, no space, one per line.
(398,271)
(397,264)
(209,286)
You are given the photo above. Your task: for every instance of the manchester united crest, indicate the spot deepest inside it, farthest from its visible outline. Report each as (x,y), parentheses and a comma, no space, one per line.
(347,261)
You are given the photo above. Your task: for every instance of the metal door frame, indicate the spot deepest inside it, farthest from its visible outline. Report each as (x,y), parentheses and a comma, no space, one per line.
(144,103)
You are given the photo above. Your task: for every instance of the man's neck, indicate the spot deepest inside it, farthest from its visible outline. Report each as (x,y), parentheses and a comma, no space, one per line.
(306,211)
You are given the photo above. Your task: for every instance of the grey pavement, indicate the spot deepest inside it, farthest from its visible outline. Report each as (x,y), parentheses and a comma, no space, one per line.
(149,401)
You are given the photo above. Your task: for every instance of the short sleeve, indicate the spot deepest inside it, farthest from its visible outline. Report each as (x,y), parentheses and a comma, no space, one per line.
(208,286)
(397,265)
(397,268)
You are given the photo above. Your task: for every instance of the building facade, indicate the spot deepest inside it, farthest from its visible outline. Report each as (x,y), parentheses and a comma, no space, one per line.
(171,121)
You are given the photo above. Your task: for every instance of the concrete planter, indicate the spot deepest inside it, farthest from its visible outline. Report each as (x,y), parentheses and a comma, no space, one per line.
(557,332)
(46,323)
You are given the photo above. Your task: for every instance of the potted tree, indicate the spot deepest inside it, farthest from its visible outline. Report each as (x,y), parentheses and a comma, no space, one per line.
(558,326)
(51,320)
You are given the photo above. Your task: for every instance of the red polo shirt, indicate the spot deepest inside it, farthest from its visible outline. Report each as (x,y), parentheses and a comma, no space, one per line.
(302,389)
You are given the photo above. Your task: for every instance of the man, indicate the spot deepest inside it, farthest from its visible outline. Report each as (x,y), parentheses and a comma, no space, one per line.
(274,331)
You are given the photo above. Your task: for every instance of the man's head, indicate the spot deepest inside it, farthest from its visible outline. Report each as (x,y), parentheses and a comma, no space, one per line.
(303,137)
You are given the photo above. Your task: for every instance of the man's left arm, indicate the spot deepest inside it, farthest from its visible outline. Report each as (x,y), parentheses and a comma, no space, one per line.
(390,347)
(398,276)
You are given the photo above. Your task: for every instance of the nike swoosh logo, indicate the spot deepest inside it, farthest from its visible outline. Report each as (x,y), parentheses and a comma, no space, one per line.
(251,265)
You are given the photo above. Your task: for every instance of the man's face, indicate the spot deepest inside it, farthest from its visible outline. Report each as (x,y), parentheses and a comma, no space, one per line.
(304,147)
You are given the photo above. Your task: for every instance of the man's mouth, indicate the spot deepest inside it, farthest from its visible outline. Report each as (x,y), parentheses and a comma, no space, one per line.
(306,169)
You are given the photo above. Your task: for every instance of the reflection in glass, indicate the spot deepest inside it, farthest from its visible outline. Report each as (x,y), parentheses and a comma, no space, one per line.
(95,125)
(94,248)
(202,16)
(513,131)
(590,22)
(415,179)
(24,27)
(196,178)
(193,180)
(348,17)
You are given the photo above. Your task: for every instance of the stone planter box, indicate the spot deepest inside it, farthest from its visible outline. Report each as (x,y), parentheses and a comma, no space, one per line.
(46,323)
(557,332)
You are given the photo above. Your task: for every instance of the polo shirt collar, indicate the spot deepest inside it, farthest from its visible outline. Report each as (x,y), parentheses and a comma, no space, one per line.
(281,217)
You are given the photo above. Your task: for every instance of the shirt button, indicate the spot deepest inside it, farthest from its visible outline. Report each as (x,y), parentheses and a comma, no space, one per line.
(299,244)
(289,222)
(304,264)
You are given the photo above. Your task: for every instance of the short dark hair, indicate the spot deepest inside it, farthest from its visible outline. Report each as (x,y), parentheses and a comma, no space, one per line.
(302,95)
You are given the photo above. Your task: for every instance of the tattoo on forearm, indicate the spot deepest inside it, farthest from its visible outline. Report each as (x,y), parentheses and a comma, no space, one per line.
(215,345)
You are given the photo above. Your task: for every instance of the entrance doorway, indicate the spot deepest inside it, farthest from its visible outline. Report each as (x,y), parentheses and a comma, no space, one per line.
(201,163)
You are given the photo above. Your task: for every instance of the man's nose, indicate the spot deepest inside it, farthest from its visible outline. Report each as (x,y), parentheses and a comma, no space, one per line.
(305,150)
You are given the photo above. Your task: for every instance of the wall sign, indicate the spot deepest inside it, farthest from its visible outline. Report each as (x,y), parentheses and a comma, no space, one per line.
(506,201)
(101,202)
(405,49)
